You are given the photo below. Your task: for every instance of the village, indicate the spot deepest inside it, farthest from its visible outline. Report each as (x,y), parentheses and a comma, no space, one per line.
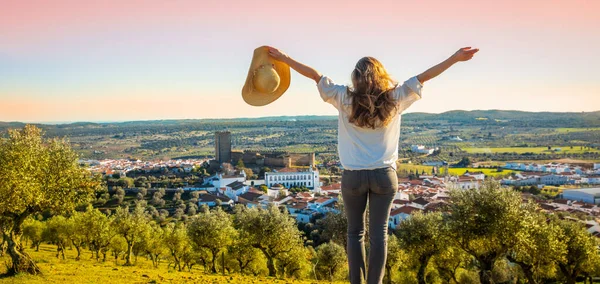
(299,187)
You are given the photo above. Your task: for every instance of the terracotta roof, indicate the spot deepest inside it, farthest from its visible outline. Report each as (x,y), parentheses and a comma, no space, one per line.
(292,170)
(303,195)
(299,205)
(335,186)
(250,196)
(321,200)
(421,201)
(404,209)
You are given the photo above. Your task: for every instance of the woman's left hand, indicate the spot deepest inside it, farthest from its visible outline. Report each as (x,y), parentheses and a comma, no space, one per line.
(277,54)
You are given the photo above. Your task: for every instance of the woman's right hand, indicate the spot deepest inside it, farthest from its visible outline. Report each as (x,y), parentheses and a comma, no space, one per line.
(464,54)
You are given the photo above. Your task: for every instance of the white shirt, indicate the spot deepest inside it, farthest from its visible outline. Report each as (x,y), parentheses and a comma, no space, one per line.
(365,148)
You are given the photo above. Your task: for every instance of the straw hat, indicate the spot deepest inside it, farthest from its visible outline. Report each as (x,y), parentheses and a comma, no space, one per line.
(267,79)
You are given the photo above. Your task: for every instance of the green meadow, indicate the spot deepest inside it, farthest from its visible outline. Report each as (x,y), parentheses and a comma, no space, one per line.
(87,270)
(535,150)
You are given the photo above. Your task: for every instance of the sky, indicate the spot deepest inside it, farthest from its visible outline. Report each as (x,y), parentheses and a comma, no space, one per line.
(72,60)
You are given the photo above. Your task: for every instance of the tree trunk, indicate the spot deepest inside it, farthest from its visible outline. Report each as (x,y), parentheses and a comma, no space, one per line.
(21,261)
(129,252)
(223,262)
(485,271)
(270,262)
(568,275)
(214,262)
(423,261)
(62,251)
(78,248)
(528,273)
(241,265)
(271,267)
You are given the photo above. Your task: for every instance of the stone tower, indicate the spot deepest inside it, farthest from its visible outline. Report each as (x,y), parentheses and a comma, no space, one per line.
(223,146)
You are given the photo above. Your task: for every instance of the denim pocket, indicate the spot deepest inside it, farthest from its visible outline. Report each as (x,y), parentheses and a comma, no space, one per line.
(351,182)
(386,181)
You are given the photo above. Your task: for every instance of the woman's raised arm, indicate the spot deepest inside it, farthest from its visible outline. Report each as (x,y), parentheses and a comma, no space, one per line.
(463,54)
(304,70)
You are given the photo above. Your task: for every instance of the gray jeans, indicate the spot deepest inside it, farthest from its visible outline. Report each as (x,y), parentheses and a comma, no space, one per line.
(377,187)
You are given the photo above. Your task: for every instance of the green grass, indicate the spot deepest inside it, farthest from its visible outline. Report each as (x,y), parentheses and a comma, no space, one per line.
(487,172)
(535,150)
(453,171)
(90,271)
(568,130)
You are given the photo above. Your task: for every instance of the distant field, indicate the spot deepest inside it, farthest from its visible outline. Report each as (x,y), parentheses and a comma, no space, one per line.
(56,270)
(453,171)
(536,150)
(567,130)
(487,172)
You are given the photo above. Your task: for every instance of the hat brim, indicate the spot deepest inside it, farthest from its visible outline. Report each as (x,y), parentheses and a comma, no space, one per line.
(255,98)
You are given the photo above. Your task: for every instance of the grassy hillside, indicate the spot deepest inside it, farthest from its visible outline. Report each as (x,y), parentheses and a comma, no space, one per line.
(89,271)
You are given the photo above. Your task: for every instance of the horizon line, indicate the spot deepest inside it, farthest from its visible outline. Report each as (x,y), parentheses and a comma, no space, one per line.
(263,117)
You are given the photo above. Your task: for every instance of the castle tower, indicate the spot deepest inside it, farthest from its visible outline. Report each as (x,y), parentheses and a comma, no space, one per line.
(223,146)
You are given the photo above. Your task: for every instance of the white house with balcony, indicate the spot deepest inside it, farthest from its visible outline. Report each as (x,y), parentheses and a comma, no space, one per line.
(292,177)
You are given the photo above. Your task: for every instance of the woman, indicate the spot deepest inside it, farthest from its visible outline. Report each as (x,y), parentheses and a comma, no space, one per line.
(368,137)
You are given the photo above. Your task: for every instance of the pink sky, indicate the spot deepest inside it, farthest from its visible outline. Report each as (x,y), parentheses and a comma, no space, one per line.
(138,60)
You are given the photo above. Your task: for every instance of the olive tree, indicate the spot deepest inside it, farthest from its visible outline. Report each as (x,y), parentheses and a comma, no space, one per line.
(271,231)
(176,240)
(422,236)
(542,246)
(213,231)
(332,261)
(33,229)
(56,232)
(37,175)
(132,226)
(486,223)
(96,226)
(581,256)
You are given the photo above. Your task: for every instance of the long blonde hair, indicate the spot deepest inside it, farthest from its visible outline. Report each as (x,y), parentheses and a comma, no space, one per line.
(372,103)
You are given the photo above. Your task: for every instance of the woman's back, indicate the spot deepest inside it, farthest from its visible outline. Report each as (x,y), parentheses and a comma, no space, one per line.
(362,147)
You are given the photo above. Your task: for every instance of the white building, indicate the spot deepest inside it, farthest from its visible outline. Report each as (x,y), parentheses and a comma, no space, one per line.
(421,149)
(221,180)
(588,195)
(234,189)
(400,214)
(289,177)
(465,182)
(211,200)
(476,175)
(276,189)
